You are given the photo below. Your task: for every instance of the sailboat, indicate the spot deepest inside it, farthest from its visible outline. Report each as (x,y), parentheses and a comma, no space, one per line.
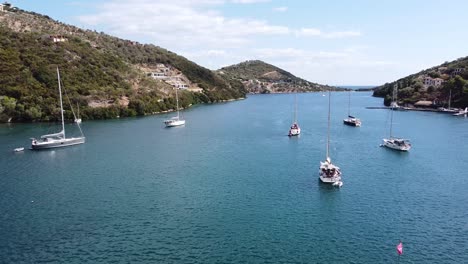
(59,139)
(462,112)
(392,142)
(78,119)
(175,121)
(351,120)
(329,172)
(295,130)
(449,110)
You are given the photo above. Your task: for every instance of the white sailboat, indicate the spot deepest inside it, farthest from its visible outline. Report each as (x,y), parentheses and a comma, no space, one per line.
(77,118)
(462,112)
(295,130)
(59,139)
(175,121)
(393,142)
(449,110)
(329,172)
(454,111)
(351,120)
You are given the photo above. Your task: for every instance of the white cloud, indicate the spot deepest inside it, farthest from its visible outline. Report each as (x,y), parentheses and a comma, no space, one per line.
(306,32)
(280,9)
(342,34)
(269,53)
(199,31)
(300,54)
(343,66)
(178,26)
(314,32)
(249,1)
(212,53)
(216,52)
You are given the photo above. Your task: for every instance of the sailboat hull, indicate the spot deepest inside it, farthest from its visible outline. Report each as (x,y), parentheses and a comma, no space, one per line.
(392,144)
(329,173)
(462,112)
(352,122)
(294,132)
(56,143)
(174,123)
(330,180)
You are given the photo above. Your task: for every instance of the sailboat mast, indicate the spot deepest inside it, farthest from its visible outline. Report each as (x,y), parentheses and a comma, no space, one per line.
(450,98)
(295,108)
(349,103)
(328,130)
(391,121)
(177,102)
(392,105)
(61,104)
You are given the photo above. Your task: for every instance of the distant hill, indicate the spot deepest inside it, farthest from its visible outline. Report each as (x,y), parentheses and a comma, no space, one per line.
(260,77)
(434,84)
(359,88)
(106,76)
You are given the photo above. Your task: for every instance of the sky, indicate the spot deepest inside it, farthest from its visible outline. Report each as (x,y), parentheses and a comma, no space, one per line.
(335,42)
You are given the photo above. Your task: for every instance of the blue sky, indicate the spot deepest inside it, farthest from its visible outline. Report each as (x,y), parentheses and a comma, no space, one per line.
(360,42)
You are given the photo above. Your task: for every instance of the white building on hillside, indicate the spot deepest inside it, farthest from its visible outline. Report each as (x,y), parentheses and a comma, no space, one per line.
(180,85)
(158,75)
(162,72)
(56,39)
(436,82)
(1,8)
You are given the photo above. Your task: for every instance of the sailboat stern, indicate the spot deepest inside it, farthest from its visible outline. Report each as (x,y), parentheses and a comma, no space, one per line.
(328,172)
(295,130)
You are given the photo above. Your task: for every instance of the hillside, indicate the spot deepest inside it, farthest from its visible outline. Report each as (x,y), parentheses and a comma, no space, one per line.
(106,76)
(260,77)
(434,84)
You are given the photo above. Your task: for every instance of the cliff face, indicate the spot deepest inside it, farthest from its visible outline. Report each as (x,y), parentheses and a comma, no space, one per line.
(260,77)
(106,76)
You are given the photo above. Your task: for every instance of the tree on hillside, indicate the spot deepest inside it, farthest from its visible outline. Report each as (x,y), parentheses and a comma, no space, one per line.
(434,74)
(457,85)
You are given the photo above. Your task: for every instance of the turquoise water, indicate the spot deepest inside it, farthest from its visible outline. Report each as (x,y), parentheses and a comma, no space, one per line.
(231,187)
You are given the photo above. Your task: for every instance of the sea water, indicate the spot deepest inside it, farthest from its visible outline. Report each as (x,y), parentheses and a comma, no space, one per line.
(231,187)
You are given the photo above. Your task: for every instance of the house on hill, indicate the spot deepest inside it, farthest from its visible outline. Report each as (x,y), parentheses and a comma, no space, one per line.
(428,81)
(179,85)
(57,38)
(158,75)
(5,7)
(457,71)
(162,72)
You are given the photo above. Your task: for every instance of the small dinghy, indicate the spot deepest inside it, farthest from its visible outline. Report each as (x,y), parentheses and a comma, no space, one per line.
(18,149)
(338,184)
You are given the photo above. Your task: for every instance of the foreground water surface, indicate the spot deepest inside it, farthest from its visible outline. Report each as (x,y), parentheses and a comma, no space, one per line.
(231,187)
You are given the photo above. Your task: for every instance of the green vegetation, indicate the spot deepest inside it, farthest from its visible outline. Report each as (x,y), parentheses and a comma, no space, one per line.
(100,73)
(261,77)
(412,89)
(256,69)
